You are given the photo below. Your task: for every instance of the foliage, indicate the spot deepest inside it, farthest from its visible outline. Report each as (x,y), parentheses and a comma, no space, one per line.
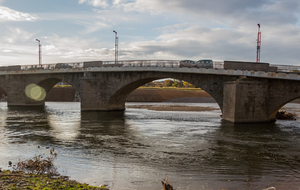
(168,82)
(176,84)
(285,115)
(188,85)
(19,180)
(63,86)
(39,165)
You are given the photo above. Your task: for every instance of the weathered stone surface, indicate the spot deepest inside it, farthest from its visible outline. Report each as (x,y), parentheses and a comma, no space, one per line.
(245,101)
(241,100)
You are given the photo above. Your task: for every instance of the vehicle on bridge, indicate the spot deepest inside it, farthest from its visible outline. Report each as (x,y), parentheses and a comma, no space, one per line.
(62,65)
(205,63)
(188,63)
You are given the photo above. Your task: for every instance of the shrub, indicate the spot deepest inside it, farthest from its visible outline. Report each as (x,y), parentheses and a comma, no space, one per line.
(39,165)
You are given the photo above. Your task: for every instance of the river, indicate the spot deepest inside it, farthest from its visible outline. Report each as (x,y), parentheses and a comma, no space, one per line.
(139,148)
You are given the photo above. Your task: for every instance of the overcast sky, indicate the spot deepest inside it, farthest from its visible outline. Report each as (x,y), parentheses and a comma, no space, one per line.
(82,30)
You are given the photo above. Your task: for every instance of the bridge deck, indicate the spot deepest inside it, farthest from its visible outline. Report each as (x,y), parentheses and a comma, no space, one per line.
(211,71)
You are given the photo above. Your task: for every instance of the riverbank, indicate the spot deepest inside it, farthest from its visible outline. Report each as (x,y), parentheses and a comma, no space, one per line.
(20,180)
(171,108)
(142,95)
(170,95)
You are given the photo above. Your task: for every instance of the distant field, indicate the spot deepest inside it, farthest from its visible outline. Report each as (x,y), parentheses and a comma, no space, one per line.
(168,88)
(166,94)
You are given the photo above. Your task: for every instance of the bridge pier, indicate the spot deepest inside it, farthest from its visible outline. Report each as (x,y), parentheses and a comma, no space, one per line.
(95,94)
(16,93)
(245,101)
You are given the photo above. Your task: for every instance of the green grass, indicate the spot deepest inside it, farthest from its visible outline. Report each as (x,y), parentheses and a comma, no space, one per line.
(12,179)
(169,88)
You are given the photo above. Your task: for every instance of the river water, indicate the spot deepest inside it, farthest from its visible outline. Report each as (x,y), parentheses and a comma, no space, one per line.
(139,148)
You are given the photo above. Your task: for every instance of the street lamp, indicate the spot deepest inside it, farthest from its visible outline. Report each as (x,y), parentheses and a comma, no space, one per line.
(40,52)
(116,47)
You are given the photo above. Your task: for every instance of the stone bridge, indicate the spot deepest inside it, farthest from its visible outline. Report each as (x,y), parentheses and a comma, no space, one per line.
(243,96)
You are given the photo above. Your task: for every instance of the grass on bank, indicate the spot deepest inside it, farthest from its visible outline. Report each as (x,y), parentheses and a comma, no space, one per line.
(168,88)
(17,180)
(39,173)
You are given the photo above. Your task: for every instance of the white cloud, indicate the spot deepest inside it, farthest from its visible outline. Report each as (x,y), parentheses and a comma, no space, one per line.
(71,49)
(7,14)
(233,12)
(15,35)
(95,3)
(197,42)
(6,50)
(93,27)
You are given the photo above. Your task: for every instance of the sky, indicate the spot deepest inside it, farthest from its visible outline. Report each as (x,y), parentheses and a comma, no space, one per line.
(82,30)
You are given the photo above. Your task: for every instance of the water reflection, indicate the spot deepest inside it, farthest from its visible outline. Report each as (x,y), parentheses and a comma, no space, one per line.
(253,152)
(102,116)
(136,148)
(21,122)
(106,131)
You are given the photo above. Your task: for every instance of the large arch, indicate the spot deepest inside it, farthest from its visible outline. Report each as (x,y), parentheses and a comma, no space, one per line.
(213,85)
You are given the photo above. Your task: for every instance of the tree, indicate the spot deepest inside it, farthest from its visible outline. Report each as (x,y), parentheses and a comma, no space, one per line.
(168,82)
(176,84)
(188,85)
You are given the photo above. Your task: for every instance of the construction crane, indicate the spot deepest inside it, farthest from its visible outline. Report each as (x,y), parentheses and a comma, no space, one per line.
(258,44)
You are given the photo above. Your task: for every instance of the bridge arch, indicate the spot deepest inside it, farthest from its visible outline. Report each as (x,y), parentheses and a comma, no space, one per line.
(281,92)
(49,83)
(211,84)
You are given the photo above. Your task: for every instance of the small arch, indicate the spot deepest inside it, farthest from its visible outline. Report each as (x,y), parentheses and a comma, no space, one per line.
(3,95)
(273,114)
(59,90)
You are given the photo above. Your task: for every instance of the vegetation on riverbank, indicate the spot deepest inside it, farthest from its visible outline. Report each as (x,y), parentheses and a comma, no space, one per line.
(16,180)
(284,115)
(38,173)
(168,88)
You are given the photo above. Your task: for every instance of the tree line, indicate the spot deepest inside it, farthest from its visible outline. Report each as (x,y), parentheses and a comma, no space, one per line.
(170,83)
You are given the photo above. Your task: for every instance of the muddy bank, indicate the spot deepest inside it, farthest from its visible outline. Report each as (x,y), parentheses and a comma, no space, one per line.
(172,108)
(170,95)
(61,95)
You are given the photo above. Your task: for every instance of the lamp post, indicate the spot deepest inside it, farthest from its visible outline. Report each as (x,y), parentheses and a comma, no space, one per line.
(40,52)
(116,47)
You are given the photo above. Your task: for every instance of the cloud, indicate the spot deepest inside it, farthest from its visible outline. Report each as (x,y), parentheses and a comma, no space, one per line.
(7,14)
(93,27)
(184,45)
(15,35)
(237,11)
(71,49)
(95,3)
(197,42)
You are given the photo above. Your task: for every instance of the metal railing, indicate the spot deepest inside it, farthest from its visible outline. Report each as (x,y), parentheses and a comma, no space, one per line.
(125,63)
(287,68)
(130,63)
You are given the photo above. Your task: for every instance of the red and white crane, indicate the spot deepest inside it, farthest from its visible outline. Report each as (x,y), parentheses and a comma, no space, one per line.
(258,44)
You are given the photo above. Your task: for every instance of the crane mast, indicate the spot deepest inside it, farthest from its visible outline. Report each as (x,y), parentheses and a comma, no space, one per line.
(258,44)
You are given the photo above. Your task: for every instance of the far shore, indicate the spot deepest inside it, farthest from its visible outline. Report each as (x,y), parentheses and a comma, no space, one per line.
(172,108)
(179,95)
